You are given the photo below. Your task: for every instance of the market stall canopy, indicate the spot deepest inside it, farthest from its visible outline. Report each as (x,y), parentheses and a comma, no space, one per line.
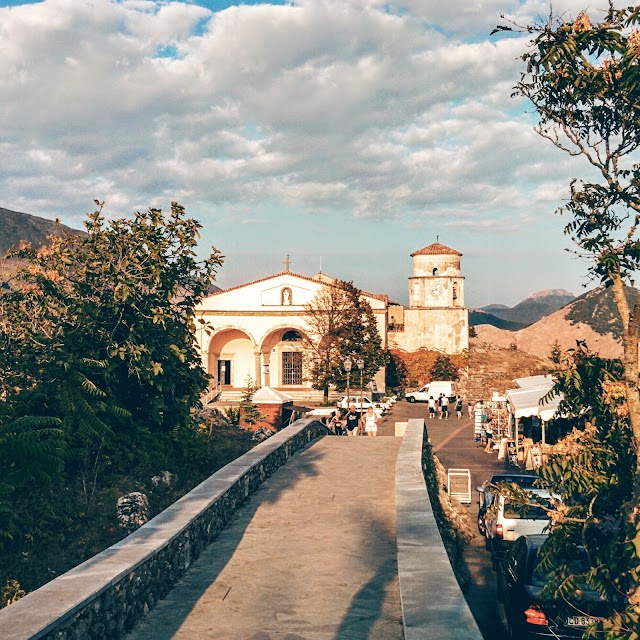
(534,381)
(526,402)
(267,395)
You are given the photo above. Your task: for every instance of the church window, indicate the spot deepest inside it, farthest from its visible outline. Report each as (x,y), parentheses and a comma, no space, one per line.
(291,336)
(291,368)
(455,291)
(435,271)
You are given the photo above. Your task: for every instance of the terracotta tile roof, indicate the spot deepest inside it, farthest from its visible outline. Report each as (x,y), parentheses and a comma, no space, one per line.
(436,249)
(377,296)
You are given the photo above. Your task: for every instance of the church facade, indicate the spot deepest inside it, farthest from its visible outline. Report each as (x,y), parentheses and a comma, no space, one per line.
(258,330)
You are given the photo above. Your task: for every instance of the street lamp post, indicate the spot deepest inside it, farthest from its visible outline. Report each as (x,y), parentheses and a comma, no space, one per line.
(347,368)
(360,365)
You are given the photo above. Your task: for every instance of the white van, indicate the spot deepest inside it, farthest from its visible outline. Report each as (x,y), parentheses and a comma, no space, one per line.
(434,388)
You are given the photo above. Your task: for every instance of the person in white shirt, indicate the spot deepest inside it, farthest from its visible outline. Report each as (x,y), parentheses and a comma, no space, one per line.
(370,423)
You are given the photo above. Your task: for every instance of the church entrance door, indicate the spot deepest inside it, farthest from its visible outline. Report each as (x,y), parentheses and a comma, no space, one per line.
(224,372)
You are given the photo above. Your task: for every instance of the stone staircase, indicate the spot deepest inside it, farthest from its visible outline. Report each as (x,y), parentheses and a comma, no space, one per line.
(475,388)
(301,397)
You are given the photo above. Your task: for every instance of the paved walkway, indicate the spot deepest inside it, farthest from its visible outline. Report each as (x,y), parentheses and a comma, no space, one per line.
(311,556)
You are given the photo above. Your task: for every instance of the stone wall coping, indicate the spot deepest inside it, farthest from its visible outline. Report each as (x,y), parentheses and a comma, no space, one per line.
(433,605)
(43,609)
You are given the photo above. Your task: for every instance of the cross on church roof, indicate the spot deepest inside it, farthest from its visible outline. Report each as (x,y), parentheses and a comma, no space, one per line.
(287,262)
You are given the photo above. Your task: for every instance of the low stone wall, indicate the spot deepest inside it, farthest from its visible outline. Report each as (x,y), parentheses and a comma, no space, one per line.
(103,597)
(433,605)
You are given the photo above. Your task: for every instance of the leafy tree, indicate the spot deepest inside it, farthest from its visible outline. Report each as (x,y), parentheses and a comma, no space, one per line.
(443,369)
(583,79)
(556,352)
(341,323)
(100,371)
(250,413)
(594,475)
(397,372)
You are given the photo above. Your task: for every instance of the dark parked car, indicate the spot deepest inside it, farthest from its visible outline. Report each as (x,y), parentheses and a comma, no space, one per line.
(529,616)
(486,493)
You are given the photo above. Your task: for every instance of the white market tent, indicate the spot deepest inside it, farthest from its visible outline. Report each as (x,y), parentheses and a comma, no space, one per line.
(526,401)
(534,381)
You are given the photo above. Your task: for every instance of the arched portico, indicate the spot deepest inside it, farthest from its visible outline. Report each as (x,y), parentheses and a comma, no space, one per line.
(231,358)
(283,353)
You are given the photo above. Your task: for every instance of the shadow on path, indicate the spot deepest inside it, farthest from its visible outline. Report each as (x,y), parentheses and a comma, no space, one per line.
(164,621)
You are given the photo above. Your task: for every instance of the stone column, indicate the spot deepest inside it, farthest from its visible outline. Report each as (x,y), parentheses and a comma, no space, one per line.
(213,362)
(258,376)
(266,361)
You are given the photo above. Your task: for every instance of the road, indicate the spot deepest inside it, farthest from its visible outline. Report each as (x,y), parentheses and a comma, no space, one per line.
(452,441)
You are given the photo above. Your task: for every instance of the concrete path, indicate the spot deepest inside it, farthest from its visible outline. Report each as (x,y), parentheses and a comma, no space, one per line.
(311,556)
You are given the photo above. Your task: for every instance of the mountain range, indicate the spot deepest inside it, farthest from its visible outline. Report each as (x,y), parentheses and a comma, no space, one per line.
(533,308)
(17,226)
(532,325)
(592,317)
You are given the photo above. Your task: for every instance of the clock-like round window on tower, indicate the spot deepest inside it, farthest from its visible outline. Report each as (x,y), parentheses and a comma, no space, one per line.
(436,289)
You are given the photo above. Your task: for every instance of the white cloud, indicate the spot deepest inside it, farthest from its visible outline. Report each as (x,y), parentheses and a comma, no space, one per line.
(383,111)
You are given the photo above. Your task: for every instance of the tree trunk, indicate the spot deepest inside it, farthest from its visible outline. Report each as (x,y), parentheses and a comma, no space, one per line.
(630,320)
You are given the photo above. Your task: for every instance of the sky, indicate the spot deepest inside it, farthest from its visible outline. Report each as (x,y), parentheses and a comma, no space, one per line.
(344,133)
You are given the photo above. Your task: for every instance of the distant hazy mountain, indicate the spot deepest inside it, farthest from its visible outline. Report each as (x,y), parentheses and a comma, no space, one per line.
(16,226)
(490,308)
(480,316)
(536,306)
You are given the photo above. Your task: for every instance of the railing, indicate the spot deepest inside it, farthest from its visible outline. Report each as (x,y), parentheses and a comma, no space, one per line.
(433,605)
(397,328)
(211,394)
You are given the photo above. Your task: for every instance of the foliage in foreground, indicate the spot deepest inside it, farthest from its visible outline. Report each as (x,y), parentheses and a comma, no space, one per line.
(594,473)
(100,375)
(583,79)
(450,515)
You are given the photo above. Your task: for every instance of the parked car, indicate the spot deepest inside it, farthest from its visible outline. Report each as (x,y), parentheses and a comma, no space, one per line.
(529,616)
(434,388)
(486,492)
(506,521)
(378,409)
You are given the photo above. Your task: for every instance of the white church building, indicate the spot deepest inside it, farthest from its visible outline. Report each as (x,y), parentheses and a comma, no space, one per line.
(257,330)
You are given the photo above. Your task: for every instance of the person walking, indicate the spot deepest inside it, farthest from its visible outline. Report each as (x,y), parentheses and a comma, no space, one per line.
(440,406)
(336,422)
(488,431)
(445,407)
(432,407)
(352,419)
(459,407)
(469,410)
(370,423)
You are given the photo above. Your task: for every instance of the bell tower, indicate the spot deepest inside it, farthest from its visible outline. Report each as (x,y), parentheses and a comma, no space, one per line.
(436,317)
(436,281)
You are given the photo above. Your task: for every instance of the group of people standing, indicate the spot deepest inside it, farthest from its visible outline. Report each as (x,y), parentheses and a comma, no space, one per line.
(352,423)
(440,406)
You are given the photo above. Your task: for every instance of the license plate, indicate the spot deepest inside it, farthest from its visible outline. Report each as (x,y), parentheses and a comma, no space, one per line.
(580,621)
